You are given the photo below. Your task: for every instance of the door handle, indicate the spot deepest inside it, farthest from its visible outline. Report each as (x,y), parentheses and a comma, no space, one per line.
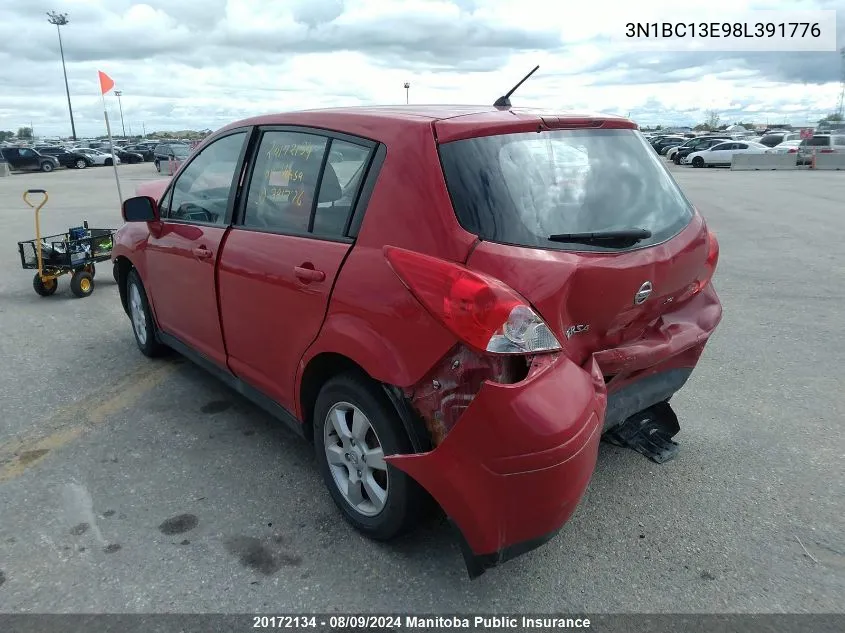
(201,252)
(307,274)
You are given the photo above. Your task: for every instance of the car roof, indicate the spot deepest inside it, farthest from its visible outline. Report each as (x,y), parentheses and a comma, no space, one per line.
(452,122)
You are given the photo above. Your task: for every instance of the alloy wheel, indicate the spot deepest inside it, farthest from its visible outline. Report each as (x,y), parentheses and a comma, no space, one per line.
(356,459)
(139,315)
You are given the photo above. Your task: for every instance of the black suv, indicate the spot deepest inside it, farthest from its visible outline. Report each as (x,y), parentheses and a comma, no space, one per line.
(26,158)
(166,151)
(145,151)
(66,157)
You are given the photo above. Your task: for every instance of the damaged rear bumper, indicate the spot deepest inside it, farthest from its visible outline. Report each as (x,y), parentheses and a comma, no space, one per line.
(514,467)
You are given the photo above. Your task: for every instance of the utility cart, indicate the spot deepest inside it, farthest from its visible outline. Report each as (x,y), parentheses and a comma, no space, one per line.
(75,252)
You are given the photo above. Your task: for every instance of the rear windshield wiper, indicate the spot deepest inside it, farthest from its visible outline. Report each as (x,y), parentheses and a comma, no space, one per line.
(624,236)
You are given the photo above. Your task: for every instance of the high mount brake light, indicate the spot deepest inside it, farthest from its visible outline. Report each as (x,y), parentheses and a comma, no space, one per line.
(479,309)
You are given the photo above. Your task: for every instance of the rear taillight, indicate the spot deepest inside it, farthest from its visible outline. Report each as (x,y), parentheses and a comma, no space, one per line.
(826,151)
(707,271)
(480,310)
(710,262)
(792,151)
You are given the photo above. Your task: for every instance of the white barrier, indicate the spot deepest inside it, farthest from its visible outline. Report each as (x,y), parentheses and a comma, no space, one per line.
(4,169)
(830,161)
(759,162)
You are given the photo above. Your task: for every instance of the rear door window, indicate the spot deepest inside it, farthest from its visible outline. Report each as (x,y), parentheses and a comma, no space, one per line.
(521,188)
(305,184)
(284,181)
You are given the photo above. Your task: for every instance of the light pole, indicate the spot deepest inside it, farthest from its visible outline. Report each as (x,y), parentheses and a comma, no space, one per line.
(407,92)
(120,105)
(60,20)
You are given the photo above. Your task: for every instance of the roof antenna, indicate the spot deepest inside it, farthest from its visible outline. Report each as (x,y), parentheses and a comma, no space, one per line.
(505,100)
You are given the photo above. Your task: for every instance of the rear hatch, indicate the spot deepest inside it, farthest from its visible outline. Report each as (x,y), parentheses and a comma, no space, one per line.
(516,190)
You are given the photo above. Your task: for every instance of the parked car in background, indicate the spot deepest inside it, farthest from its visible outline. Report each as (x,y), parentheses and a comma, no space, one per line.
(823,144)
(28,159)
(700,142)
(68,158)
(445,337)
(723,153)
(703,143)
(169,151)
(145,151)
(776,138)
(126,156)
(663,144)
(792,147)
(97,157)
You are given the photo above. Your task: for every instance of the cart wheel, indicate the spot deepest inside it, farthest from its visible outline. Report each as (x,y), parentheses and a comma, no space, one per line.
(82,283)
(90,269)
(44,288)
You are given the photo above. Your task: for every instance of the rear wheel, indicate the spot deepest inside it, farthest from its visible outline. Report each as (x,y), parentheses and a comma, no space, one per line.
(109,162)
(46,166)
(82,283)
(44,288)
(676,159)
(143,325)
(698,161)
(81,164)
(355,426)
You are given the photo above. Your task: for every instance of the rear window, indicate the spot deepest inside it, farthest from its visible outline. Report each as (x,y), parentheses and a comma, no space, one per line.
(772,139)
(521,188)
(817,141)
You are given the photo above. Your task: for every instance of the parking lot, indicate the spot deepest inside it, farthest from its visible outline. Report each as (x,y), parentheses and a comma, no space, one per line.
(131,485)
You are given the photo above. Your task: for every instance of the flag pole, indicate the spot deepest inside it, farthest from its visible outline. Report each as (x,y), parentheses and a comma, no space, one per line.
(111,149)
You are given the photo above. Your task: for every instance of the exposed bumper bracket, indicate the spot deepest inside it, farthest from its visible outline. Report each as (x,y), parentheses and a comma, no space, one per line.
(649,432)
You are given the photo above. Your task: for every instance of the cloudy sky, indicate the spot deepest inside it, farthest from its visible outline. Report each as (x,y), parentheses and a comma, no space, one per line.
(193,64)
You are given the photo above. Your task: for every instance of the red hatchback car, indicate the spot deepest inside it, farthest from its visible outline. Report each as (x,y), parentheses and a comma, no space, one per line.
(453,303)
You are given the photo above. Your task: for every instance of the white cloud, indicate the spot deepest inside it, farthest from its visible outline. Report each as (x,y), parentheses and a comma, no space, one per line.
(203,63)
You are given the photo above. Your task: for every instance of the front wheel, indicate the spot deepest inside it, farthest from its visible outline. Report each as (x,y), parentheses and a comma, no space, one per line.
(46,167)
(676,159)
(698,161)
(81,164)
(44,288)
(143,325)
(355,427)
(109,162)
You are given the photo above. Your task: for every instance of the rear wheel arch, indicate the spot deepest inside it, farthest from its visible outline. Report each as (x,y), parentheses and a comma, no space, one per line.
(320,369)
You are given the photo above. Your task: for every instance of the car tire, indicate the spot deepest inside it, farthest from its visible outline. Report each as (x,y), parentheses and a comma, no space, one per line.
(44,288)
(698,161)
(676,159)
(141,317)
(82,284)
(377,499)
(158,166)
(81,163)
(108,162)
(47,167)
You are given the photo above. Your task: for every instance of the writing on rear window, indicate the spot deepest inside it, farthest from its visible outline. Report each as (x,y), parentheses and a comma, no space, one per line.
(305,150)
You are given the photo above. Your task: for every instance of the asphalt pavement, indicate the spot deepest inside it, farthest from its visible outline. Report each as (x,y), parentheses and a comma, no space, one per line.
(131,485)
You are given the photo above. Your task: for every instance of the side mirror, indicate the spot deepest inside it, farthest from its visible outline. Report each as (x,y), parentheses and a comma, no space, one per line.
(140,209)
